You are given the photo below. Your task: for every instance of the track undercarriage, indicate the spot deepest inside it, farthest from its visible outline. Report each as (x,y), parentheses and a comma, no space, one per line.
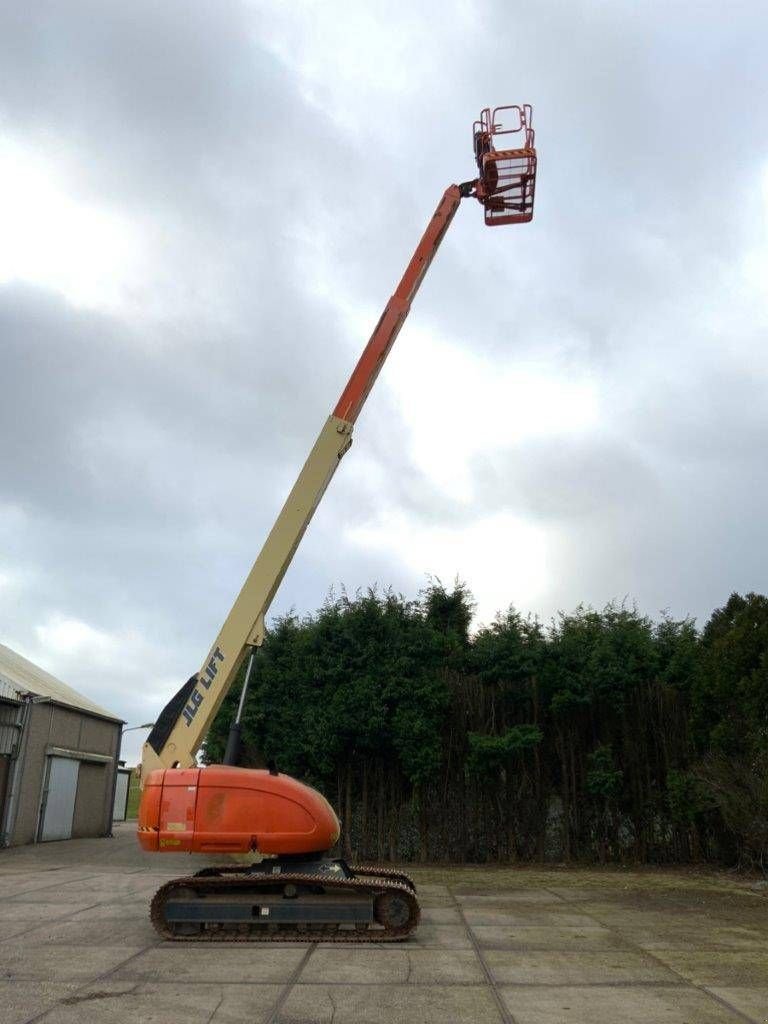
(288,900)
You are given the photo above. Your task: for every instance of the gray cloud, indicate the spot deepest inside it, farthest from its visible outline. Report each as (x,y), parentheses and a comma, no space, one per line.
(276,163)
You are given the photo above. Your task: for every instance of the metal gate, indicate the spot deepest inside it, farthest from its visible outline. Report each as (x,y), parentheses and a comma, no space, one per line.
(59,798)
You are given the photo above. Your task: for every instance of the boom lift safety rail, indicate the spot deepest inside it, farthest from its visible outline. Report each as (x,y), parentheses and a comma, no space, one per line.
(226,809)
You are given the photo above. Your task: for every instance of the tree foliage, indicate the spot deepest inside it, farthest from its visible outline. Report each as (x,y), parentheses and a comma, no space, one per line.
(604,735)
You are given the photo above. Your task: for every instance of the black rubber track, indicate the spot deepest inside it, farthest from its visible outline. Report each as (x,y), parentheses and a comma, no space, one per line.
(230,883)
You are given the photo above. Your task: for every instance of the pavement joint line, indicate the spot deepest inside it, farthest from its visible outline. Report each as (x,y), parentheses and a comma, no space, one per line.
(686,981)
(430,983)
(215,1010)
(501,1005)
(704,990)
(160,982)
(475,984)
(91,981)
(55,920)
(274,1016)
(514,947)
(25,870)
(54,885)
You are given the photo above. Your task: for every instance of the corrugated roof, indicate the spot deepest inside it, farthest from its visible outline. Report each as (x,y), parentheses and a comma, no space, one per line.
(22,676)
(7,690)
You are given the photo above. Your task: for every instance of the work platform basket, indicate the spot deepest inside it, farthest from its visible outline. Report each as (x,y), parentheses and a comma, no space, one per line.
(507,180)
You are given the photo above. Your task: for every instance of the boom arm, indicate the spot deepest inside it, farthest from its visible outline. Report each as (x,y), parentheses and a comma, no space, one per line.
(184,722)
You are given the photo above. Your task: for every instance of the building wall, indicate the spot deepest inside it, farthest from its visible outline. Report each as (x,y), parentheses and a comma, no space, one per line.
(5,764)
(51,725)
(9,738)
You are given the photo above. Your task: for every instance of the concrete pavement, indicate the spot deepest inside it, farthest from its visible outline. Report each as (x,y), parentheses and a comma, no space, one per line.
(495,947)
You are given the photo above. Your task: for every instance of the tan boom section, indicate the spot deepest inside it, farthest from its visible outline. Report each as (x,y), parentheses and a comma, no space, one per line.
(244,626)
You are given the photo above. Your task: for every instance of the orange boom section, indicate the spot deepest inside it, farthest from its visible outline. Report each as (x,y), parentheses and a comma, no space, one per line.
(233,810)
(383,338)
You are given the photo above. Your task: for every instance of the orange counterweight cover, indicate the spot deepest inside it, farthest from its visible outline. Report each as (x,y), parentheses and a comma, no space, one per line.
(233,810)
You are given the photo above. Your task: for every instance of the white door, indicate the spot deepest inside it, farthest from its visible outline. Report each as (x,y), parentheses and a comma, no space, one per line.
(61,790)
(121,796)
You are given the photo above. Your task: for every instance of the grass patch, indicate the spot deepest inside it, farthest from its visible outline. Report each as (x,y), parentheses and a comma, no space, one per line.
(134,795)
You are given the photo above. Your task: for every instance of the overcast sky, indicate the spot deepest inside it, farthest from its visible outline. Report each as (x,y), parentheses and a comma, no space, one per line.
(204,207)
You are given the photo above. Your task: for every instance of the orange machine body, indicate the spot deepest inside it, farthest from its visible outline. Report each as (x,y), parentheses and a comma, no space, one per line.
(219,809)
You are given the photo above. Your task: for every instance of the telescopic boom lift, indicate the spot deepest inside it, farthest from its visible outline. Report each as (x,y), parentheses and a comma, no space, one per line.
(227,809)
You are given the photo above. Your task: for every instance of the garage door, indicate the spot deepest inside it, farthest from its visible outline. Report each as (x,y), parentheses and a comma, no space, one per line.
(61,789)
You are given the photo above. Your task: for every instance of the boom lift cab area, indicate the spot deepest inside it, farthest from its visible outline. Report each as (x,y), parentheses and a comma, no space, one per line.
(228,809)
(216,809)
